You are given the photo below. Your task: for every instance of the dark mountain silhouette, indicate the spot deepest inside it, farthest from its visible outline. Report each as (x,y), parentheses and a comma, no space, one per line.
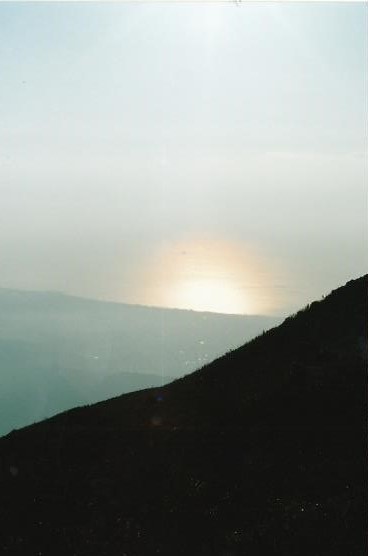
(59,351)
(261,452)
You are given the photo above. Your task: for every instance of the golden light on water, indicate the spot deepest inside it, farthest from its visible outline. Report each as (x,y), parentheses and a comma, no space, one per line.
(208,294)
(206,275)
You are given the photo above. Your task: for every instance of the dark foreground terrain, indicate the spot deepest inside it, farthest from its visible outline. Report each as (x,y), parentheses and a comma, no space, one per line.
(260,453)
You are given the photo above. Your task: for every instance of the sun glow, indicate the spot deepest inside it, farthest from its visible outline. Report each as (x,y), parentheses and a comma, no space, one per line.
(210,24)
(209,295)
(205,275)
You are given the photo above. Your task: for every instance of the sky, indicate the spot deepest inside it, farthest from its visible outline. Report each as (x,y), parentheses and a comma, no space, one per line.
(208,156)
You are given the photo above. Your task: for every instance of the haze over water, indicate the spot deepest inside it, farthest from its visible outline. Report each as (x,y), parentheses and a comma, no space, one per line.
(204,156)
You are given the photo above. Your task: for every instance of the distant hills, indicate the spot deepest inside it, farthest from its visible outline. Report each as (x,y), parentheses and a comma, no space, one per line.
(59,351)
(261,452)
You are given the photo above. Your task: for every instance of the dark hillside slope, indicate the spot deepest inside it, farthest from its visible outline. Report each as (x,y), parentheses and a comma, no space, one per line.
(262,453)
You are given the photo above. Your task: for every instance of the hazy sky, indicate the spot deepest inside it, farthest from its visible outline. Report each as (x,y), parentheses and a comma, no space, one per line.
(208,156)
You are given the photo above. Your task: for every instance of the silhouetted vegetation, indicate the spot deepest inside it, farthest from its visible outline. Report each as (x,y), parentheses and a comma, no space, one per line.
(261,452)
